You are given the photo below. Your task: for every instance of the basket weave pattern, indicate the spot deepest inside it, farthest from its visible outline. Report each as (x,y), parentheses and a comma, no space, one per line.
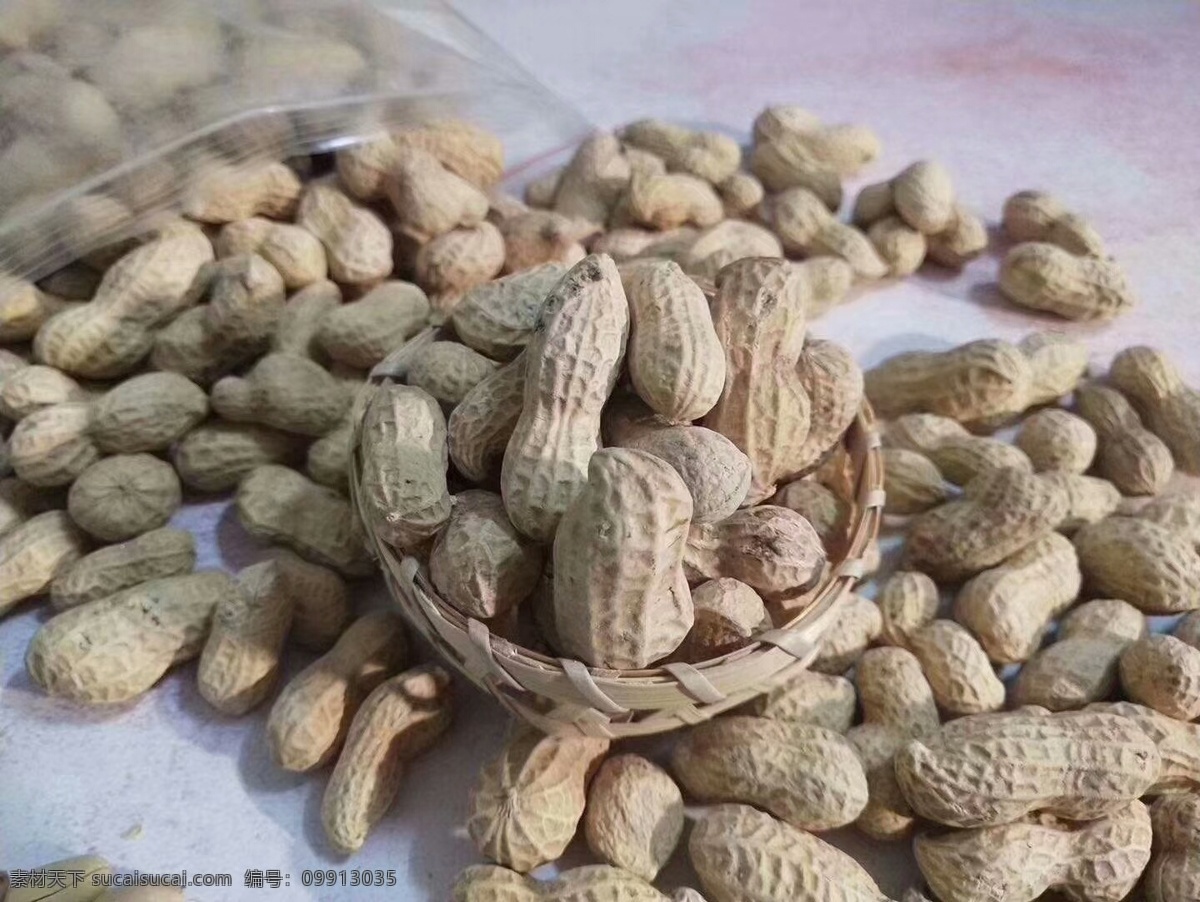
(563,696)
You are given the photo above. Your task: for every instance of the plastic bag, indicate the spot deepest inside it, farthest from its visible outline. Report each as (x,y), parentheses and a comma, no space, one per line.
(111,112)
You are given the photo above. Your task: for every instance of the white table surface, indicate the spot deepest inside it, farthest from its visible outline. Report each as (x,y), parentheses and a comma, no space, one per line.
(1096,102)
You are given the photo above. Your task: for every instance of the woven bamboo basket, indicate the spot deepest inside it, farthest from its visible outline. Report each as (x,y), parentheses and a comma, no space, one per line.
(566,697)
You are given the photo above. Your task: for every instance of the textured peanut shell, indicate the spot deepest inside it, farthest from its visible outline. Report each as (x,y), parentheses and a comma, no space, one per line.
(53,446)
(34,388)
(285,392)
(1177,511)
(672,200)
(147,413)
(1151,567)
(481,424)
(1072,672)
(902,247)
(528,801)
(1170,408)
(189,347)
(620,596)
(627,419)
(810,697)
(537,237)
(996,768)
(805,775)
(123,496)
(401,718)
(728,614)
(634,815)
(828,514)
(922,432)
(805,226)
(715,472)
(572,363)
(1173,874)
(912,481)
(404,456)
(24,307)
(719,245)
(497,318)
(1178,745)
(593,180)
(455,262)
(957,667)
(1130,457)
(1163,673)
(708,155)
(327,460)
(1043,276)
(294,252)
(788,165)
(924,196)
(281,505)
(772,549)
(834,384)
(1057,440)
(1058,363)
(846,148)
(448,370)
(34,552)
(908,600)
(215,455)
(745,855)
(312,714)
(1036,216)
(479,563)
(1089,499)
(228,193)
(302,317)
(428,199)
(152,555)
(363,332)
(964,239)
(962,459)
(843,642)
(84,654)
(357,244)
(245,300)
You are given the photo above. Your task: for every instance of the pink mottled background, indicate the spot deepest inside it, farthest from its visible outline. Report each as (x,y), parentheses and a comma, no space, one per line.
(1097,102)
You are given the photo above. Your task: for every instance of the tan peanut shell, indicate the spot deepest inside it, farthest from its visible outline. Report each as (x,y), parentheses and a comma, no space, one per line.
(922,432)
(497,318)
(1170,407)
(152,555)
(957,668)
(582,329)
(902,247)
(627,418)
(479,563)
(481,424)
(428,199)
(788,164)
(312,714)
(805,226)
(805,775)
(147,413)
(1089,499)
(404,465)
(964,239)
(327,460)
(708,155)
(462,147)
(593,180)
(1015,862)
(1010,607)
(1177,511)
(1036,216)
(975,381)
(528,801)
(33,388)
(1081,666)
(672,200)
(758,313)
(996,768)
(591,883)
(228,193)
(1173,874)
(845,148)
(84,654)
(874,202)
(1058,363)
(301,320)
(281,505)
(1163,673)
(908,600)
(810,697)
(245,300)
(215,455)
(1042,276)
(843,642)
(448,370)
(719,245)
(188,346)
(401,718)
(24,307)
(1057,440)
(912,481)
(1178,744)
(123,496)
(924,197)
(715,472)
(728,614)
(536,237)
(453,263)
(772,549)
(33,553)
(363,332)
(1003,511)
(1150,566)
(828,514)
(284,392)
(830,280)
(53,446)
(621,599)
(834,384)
(1131,457)
(321,601)
(962,459)
(357,244)
(634,815)
(745,855)
(294,252)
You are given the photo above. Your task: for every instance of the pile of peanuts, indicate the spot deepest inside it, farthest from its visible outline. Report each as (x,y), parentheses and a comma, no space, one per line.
(606,433)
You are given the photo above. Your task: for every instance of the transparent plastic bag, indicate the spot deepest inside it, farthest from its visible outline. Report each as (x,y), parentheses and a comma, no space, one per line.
(112,112)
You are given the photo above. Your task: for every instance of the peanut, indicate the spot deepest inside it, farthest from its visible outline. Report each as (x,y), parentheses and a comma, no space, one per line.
(707,155)
(245,302)
(404,466)
(152,555)
(772,549)
(281,505)
(1089,499)
(309,720)
(912,481)
(807,776)
(591,883)
(1173,874)
(284,392)
(537,237)
(461,147)
(898,705)
(727,616)
(908,601)
(228,193)
(857,626)
(1081,667)
(962,459)
(1045,277)
(215,455)
(1058,363)
(785,162)
(996,768)
(1002,512)
(627,419)
(358,245)
(828,514)
(124,496)
(429,199)
(834,385)
(957,667)
(1176,511)
(188,346)
(924,197)
(741,194)
(401,718)
(53,446)
(479,563)
(874,202)
(147,413)
(457,261)
(764,410)
(634,815)
(719,245)
(23,309)
(620,596)
(1171,408)
(293,251)
(1132,458)
(498,318)
(302,318)
(715,472)
(901,246)
(363,332)
(963,239)
(448,371)
(1163,673)
(1178,744)
(845,148)
(1034,216)
(672,200)
(528,802)
(582,328)
(1154,569)
(33,553)
(745,855)
(481,424)
(1057,440)
(1018,862)
(84,654)
(805,226)
(923,432)
(34,388)
(810,697)
(593,180)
